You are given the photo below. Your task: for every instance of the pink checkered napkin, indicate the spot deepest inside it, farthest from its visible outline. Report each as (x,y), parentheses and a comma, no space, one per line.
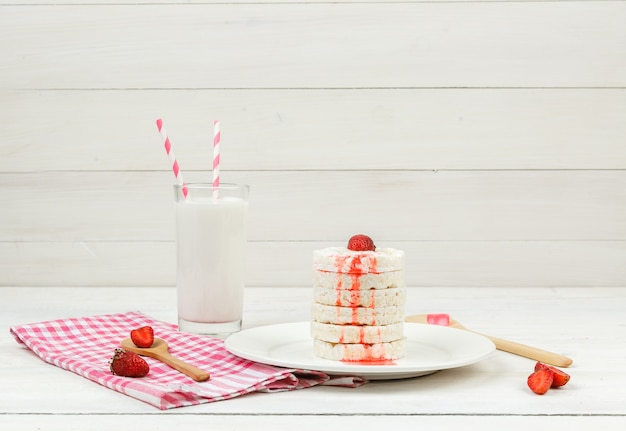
(85,346)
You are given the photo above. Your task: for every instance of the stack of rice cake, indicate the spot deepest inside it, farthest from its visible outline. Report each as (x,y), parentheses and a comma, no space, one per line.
(358,307)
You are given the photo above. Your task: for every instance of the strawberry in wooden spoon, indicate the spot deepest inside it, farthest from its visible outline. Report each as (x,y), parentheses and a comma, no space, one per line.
(142,337)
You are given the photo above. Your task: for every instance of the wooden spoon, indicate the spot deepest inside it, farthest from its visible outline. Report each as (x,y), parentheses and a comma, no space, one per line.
(159,350)
(508,346)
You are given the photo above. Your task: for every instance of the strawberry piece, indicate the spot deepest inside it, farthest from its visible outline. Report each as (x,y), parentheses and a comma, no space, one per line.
(560,377)
(142,337)
(128,364)
(540,381)
(361,243)
(441,319)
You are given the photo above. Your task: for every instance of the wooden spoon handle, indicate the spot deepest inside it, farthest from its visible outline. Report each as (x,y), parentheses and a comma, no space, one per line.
(189,370)
(530,352)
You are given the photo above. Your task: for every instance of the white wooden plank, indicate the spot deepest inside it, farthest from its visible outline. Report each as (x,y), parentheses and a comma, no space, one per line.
(550,318)
(184,2)
(316,129)
(156,422)
(405,205)
(481,44)
(326,206)
(288,264)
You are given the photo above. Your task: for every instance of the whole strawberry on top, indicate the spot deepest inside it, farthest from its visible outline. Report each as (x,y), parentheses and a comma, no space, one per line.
(142,337)
(361,243)
(128,364)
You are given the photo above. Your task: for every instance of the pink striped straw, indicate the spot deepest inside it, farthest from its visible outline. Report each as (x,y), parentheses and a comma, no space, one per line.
(170,152)
(216,157)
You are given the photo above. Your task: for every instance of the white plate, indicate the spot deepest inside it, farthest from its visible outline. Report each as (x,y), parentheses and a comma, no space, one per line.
(430,348)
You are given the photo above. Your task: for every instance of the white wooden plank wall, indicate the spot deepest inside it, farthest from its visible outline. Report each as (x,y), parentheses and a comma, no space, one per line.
(485,138)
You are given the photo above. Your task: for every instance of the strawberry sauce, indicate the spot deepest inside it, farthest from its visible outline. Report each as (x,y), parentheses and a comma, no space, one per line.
(360,264)
(371,358)
(370,362)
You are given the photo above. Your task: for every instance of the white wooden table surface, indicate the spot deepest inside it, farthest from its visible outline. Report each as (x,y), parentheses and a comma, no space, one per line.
(589,325)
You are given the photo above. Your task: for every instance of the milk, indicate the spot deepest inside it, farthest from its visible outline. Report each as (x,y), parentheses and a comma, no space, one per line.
(211,243)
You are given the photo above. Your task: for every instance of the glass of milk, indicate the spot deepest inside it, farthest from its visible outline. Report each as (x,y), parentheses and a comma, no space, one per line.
(211,231)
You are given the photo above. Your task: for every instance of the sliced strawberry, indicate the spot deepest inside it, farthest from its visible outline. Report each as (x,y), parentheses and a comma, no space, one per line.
(128,364)
(361,243)
(441,319)
(540,381)
(560,377)
(142,337)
